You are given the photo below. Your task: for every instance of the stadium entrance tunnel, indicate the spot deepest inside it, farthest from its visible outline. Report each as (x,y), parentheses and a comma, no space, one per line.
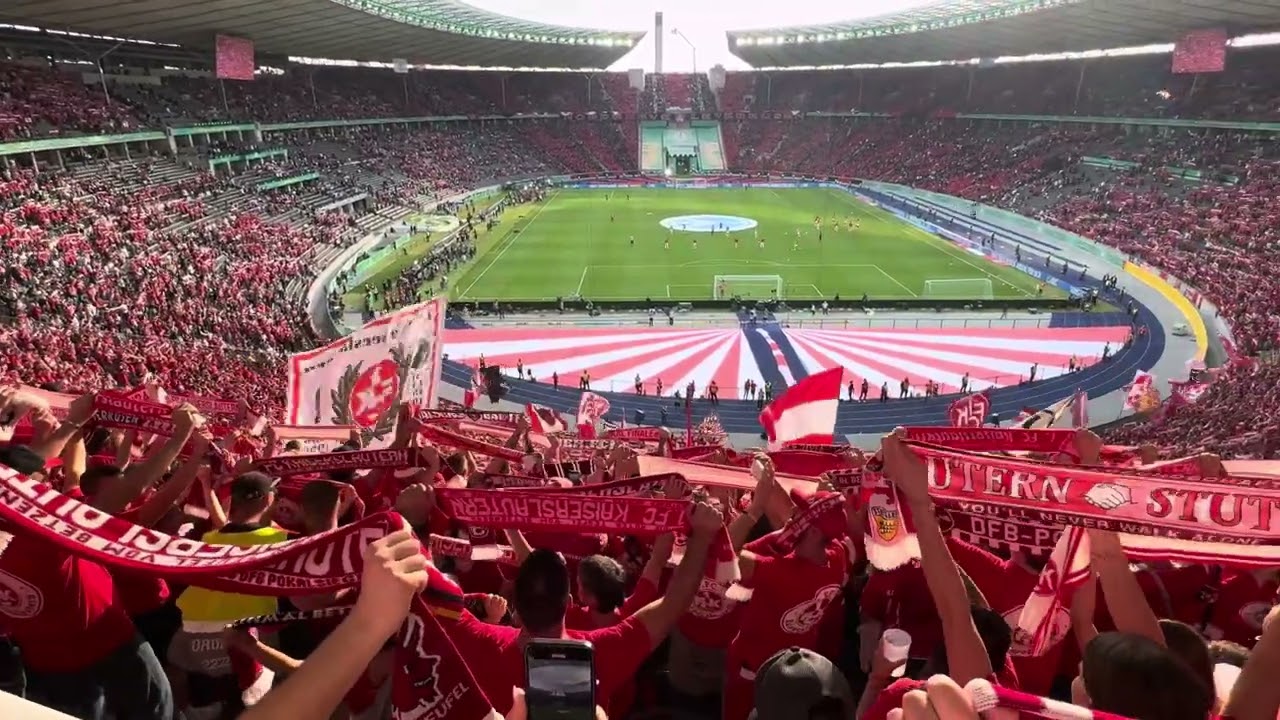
(708,223)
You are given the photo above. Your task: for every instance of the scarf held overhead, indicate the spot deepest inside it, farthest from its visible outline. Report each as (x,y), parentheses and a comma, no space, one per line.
(430,678)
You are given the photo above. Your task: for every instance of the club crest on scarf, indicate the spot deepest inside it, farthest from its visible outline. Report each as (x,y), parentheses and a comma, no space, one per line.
(423,671)
(1023,640)
(885,518)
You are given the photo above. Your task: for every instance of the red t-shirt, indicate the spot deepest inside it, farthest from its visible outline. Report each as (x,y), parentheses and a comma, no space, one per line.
(1006,586)
(499,651)
(791,596)
(1173,593)
(139,593)
(900,598)
(1243,602)
(579,617)
(60,610)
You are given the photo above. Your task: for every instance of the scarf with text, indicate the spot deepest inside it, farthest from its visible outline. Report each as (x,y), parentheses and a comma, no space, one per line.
(508,420)
(644,434)
(1023,505)
(321,563)
(459,549)
(433,679)
(614,508)
(313,438)
(514,481)
(437,434)
(116,411)
(390,459)
(1189,518)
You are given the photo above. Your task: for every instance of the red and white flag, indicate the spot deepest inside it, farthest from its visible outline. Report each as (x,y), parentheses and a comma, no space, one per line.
(544,420)
(472,394)
(591,408)
(806,412)
(970,411)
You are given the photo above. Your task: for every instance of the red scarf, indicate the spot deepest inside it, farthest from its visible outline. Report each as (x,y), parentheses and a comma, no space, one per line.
(995,439)
(437,434)
(393,458)
(508,420)
(317,564)
(313,438)
(1225,520)
(432,679)
(611,508)
(114,410)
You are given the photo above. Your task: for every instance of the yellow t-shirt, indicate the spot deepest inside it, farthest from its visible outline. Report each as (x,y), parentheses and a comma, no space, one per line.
(199,605)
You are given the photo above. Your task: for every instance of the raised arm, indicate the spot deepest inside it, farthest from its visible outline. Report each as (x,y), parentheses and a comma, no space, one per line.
(662,614)
(967,656)
(766,483)
(1256,694)
(1125,600)
(116,496)
(394,571)
(172,492)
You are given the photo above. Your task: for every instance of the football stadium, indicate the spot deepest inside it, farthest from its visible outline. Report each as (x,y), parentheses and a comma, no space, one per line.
(471,359)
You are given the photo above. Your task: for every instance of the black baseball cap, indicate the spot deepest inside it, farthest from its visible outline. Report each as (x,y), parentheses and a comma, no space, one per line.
(252,485)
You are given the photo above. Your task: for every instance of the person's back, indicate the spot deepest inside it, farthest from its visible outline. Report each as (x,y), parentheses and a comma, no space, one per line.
(79,647)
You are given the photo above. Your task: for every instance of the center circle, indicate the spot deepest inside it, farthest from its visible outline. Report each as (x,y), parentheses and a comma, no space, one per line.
(708,223)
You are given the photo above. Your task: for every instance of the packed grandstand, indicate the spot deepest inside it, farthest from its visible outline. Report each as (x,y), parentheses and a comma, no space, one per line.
(963,408)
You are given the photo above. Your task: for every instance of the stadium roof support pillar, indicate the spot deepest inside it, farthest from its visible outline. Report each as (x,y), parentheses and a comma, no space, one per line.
(657,42)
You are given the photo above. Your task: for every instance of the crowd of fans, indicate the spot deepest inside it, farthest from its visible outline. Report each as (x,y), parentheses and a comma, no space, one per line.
(36,99)
(117,271)
(811,622)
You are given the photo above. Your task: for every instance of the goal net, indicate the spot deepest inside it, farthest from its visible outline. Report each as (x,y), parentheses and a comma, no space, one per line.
(747,287)
(959,289)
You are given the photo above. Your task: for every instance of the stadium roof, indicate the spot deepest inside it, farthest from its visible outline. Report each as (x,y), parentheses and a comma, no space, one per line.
(433,32)
(965,29)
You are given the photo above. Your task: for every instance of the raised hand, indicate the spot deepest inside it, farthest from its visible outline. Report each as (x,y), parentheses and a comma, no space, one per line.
(904,468)
(395,569)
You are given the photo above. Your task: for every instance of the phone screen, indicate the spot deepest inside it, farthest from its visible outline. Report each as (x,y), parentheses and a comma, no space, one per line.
(560,683)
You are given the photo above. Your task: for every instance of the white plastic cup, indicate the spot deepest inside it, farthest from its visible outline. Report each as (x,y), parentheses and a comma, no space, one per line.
(894,645)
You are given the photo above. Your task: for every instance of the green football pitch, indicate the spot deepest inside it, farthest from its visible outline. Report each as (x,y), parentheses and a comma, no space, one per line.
(610,244)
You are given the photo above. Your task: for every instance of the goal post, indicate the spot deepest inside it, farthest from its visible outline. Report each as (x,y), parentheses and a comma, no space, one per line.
(747,287)
(959,289)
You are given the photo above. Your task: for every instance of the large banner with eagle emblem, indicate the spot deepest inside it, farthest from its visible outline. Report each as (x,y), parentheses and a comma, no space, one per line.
(365,378)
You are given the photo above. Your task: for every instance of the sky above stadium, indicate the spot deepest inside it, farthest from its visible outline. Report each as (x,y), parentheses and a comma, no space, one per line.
(703,22)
